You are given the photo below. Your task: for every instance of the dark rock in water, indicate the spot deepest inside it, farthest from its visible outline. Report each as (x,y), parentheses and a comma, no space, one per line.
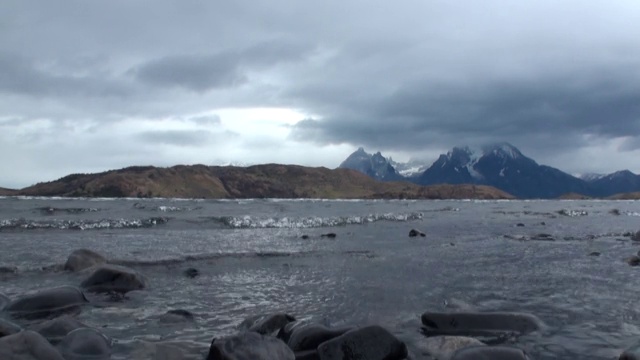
(8,328)
(329,235)
(176,316)
(307,355)
(27,345)
(304,237)
(632,353)
(633,260)
(48,303)
(490,353)
(85,343)
(114,278)
(595,253)
(415,233)
(520,225)
(56,329)
(249,346)
(543,237)
(191,272)
(266,324)
(4,300)
(614,212)
(635,236)
(309,337)
(442,347)
(82,259)
(8,269)
(499,324)
(370,342)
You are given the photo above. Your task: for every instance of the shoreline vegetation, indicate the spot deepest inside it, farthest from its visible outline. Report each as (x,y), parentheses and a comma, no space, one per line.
(259,181)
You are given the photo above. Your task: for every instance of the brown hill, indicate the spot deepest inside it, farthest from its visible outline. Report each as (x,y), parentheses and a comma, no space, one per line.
(260,181)
(573,196)
(7,192)
(625,196)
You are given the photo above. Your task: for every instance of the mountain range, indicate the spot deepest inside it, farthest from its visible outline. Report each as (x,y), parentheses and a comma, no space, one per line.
(502,166)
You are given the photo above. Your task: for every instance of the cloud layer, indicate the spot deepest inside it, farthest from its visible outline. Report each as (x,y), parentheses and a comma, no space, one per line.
(89,86)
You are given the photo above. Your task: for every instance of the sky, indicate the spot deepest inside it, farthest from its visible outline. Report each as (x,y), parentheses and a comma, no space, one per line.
(88,86)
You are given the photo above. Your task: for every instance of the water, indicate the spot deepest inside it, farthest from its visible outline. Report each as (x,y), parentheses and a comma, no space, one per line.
(252,260)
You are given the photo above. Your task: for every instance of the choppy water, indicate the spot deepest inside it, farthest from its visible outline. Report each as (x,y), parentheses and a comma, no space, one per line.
(252,260)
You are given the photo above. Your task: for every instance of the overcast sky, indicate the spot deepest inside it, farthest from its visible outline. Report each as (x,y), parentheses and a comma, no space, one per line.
(87,86)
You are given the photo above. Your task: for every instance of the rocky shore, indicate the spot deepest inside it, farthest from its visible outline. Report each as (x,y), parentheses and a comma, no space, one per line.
(42,326)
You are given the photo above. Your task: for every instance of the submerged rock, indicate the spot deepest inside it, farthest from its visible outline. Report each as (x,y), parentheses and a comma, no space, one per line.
(27,345)
(56,329)
(8,328)
(329,235)
(490,353)
(633,260)
(266,324)
(249,345)
(176,316)
(114,278)
(191,272)
(443,347)
(48,303)
(8,269)
(82,259)
(310,336)
(480,324)
(595,253)
(85,343)
(416,233)
(635,236)
(371,342)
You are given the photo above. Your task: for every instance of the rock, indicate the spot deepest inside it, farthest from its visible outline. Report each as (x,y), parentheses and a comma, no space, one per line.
(266,324)
(82,259)
(176,316)
(443,347)
(249,346)
(490,353)
(595,253)
(164,350)
(27,345)
(329,235)
(114,278)
(415,233)
(8,328)
(370,342)
(614,212)
(304,237)
(307,355)
(501,324)
(285,332)
(8,269)
(543,237)
(48,303)
(85,343)
(310,336)
(520,225)
(635,236)
(633,260)
(56,329)
(191,272)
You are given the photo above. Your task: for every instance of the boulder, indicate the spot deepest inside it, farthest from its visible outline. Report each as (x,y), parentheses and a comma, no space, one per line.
(56,329)
(285,332)
(48,303)
(633,260)
(443,347)
(85,343)
(416,233)
(27,345)
(114,278)
(249,345)
(191,272)
(635,236)
(490,353)
(8,269)
(370,342)
(8,328)
(176,316)
(309,337)
(268,324)
(82,259)
(500,324)
(329,235)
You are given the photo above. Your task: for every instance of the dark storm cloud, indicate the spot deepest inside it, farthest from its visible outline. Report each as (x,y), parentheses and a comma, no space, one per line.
(177,137)
(228,69)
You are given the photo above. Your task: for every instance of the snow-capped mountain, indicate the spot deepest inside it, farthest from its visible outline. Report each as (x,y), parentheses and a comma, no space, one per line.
(501,165)
(411,168)
(376,165)
(615,183)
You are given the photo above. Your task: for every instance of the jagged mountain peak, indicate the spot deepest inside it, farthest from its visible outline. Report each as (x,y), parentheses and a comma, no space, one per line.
(376,165)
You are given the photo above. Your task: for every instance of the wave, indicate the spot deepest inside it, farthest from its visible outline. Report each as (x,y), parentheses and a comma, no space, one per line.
(22,224)
(50,210)
(250,222)
(164,208)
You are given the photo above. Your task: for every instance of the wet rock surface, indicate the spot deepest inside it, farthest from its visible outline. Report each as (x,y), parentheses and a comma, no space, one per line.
(249,345)
(47,303)
(114,278)
(82,259)
(27,345)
